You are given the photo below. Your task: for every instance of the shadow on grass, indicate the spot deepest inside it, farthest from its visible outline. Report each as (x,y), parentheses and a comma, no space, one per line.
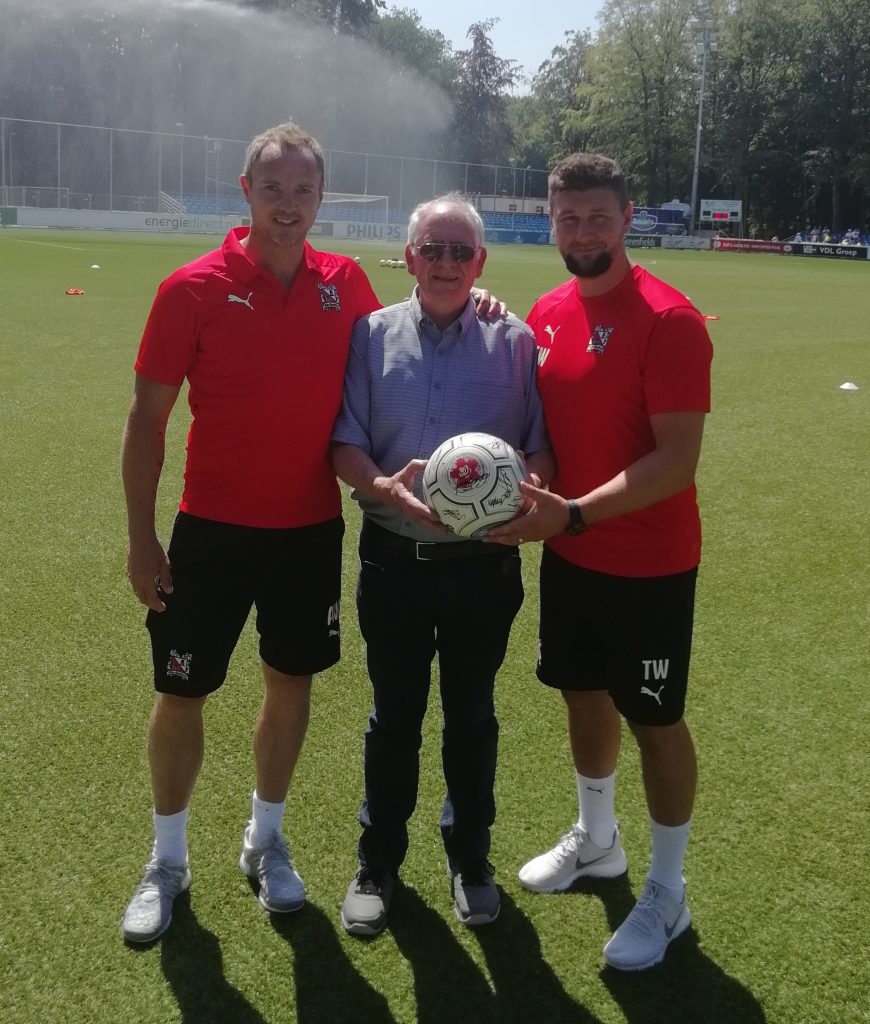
(687,986)
(451,987)
(192,963)
(329,989)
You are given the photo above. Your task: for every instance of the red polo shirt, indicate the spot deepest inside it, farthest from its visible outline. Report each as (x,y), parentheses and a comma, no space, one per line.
(605,365)
(266,370)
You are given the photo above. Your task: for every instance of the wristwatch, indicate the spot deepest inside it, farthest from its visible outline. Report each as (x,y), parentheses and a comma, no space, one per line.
(575,525)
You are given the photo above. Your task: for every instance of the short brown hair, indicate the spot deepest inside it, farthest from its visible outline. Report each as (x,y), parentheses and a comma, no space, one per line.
(284,136)
(580,172)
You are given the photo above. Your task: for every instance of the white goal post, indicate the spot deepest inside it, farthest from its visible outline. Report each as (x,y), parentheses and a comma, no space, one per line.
(349,206)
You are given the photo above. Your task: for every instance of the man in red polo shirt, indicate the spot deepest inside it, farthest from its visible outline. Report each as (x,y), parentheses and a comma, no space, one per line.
(624,378)
(260,328)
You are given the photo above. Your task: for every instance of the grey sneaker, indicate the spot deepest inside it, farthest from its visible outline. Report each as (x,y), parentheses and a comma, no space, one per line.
(574,856)
(281,888)
(644,936)
(367,903)
(149,913)
(475,898)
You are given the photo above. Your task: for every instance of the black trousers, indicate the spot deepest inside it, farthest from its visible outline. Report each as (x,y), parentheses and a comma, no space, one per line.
(459,601)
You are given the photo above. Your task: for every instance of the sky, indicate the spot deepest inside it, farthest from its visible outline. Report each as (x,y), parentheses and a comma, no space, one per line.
(526,32)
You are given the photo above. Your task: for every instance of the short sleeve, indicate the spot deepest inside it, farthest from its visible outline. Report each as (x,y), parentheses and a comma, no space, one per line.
(676,367)
(352,425)
(169,340)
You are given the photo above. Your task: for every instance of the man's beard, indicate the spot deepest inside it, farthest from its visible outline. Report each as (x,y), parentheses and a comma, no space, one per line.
(595,267)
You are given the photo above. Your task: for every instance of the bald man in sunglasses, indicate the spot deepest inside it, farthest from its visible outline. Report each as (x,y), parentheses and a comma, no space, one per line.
(420,372)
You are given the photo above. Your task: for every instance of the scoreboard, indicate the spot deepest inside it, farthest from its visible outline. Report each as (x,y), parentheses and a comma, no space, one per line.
(720,212)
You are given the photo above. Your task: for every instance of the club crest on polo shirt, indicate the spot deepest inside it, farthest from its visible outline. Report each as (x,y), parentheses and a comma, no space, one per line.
(329,296)
(599,339)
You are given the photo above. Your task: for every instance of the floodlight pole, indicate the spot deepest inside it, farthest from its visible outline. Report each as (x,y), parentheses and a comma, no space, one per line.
(180,126)
(707,29)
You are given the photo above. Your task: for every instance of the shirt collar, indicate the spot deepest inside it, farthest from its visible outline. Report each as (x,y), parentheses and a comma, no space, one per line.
(465,319)
(240,263)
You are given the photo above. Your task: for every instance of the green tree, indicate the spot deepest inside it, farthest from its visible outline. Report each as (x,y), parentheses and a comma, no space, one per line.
(401,34)
(835,86)
(551,121)
(643,89)
(481,132)
(750,142)
(349,16)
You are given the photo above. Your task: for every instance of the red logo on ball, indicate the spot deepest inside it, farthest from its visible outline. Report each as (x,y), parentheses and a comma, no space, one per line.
(465,472)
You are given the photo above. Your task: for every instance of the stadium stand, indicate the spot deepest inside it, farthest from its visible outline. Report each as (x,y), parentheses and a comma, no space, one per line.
(515,221)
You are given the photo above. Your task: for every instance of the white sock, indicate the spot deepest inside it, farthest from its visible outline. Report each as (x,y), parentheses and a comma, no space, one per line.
(265,819)
(597,816)
(170,836)
(669,844)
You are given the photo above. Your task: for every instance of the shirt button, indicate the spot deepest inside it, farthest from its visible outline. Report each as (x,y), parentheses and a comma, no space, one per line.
(436,387)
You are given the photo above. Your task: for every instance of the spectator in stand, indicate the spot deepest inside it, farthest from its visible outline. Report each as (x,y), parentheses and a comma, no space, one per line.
(798,237)
(826,235)
(815,235)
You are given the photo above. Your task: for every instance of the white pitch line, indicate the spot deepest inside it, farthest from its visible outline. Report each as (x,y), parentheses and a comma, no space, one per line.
(54,245)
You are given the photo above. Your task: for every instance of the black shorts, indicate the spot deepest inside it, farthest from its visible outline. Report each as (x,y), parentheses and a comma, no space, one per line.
(219,571)
(629,636)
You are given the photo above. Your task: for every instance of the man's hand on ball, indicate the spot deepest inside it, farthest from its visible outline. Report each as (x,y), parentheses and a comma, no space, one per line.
(546,516)
(398,490)
(149,573)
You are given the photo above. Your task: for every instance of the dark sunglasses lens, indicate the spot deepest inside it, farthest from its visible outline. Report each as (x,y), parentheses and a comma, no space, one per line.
(433,251)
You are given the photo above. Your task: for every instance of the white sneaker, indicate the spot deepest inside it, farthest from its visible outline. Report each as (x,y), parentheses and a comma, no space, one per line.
(149,912)
(574,856)
(643,937)
(281,888)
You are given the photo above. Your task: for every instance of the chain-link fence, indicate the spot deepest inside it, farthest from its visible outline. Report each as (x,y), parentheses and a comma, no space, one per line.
(44,163)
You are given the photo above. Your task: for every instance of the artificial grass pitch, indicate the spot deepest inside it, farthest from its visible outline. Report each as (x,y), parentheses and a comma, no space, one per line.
(778,703)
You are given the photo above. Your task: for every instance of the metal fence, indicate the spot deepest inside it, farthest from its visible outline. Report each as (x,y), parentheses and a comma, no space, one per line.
(48,163)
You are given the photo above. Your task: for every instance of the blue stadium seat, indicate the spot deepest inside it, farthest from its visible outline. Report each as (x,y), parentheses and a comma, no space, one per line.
(516,221)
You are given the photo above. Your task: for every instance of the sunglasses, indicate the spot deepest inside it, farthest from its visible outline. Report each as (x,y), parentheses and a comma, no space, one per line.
(433,251)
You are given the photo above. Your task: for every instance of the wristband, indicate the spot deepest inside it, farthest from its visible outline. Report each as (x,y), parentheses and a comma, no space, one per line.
(576,525)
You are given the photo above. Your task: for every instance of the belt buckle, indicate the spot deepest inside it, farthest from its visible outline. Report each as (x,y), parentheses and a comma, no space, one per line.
(420,544)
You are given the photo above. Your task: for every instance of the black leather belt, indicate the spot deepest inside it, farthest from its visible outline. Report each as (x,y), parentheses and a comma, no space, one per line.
(430,551)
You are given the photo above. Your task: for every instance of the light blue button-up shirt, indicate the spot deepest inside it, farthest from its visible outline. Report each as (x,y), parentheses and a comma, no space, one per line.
(409,386)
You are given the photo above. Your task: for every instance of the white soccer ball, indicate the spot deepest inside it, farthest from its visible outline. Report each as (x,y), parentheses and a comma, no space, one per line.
(383,263)
(472,482)
(356,259)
